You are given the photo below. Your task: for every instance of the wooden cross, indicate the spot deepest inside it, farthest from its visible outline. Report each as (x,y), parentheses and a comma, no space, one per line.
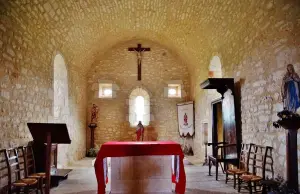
(139,51)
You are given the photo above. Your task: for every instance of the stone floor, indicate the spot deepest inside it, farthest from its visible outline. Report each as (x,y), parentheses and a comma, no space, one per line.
(82,180)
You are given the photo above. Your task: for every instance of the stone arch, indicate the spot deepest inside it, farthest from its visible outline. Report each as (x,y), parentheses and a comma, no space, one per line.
(215,67)
(134,95)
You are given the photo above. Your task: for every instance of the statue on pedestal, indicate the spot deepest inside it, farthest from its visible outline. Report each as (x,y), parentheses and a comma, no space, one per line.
(94,115)
(140,132)
(290,89)
(93,125)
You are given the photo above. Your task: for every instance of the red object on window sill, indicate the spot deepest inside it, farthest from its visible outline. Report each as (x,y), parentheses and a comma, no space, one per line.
(121,149)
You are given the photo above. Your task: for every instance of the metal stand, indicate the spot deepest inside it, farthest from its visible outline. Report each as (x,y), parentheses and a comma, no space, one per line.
(206,159)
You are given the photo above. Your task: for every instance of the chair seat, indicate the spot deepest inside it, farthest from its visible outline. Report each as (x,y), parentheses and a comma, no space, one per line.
(236,171)
(38,175)
(250,177)
(25,182)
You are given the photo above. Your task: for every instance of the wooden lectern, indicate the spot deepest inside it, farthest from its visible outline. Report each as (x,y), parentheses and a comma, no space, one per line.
(49,133)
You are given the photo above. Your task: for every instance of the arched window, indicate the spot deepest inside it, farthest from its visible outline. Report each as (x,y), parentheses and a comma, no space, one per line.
(61,111)
(139,107)
(215,67)
(60,89)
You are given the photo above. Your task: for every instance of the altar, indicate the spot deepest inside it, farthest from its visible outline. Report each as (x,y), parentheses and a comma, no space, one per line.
(141,167)
(140,174)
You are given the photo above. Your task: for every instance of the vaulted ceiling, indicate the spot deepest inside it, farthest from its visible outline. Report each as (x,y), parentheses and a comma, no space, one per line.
(84,29)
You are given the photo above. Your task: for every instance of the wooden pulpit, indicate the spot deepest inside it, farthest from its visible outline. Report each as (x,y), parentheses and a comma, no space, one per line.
(230,112)
(49,133)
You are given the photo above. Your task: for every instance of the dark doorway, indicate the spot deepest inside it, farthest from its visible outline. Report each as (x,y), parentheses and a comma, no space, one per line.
(217,123)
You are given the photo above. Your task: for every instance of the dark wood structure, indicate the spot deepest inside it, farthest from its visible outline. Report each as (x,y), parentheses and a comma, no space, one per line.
(57,175)
(290,122)
(230,113)
(225,150)
(46,134)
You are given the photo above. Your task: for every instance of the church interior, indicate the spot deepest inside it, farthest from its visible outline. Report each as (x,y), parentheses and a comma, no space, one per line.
(219,79)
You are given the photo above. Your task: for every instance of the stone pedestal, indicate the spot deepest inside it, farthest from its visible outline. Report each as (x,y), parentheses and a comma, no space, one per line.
(141,174)
(92,127)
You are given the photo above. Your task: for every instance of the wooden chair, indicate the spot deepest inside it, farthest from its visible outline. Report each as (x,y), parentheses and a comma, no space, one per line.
(30,167)
(257,168)
(217,159)
(26,161)
(3,173)
(16,175)
(243,164)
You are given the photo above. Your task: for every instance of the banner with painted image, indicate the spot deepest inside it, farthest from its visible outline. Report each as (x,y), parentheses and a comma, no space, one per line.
(186,118)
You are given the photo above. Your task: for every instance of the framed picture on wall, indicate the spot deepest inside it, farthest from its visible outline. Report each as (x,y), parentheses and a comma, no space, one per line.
(186,119)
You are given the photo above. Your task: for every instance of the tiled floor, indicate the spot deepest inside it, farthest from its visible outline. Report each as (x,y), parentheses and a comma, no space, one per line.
(82,180)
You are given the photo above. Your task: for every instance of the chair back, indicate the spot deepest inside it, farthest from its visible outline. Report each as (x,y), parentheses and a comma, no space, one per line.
(245,156)
(14,170)
(22,161)
(258,160)
(268,166)
(3,173)
(30,162)
(215,148)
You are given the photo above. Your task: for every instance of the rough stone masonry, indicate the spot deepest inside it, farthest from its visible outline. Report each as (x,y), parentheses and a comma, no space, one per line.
(254,39)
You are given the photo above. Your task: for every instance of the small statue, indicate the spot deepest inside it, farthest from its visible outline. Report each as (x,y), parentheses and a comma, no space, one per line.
(94,115)
(290,89)
(140,132)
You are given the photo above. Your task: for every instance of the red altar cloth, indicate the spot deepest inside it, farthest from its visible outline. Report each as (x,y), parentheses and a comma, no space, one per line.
(119,149)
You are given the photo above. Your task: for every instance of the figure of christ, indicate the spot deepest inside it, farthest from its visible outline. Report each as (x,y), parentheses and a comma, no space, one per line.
(139,52)
(139,55)
(140,132)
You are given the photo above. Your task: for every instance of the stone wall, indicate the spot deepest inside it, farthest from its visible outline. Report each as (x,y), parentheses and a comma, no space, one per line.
(257,59)
(255,39)
(120,66)
(26,83)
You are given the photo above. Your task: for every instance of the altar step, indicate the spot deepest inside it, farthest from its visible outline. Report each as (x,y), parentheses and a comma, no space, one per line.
(58,176)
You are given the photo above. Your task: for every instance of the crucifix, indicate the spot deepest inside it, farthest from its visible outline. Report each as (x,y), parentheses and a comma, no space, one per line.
(139,53)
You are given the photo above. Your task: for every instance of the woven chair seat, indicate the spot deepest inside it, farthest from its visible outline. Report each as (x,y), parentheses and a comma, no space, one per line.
(249,177)
(25,182)
(37,175)
(236,171)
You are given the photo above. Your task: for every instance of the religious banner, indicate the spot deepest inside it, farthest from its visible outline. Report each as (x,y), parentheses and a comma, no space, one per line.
(186,118)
